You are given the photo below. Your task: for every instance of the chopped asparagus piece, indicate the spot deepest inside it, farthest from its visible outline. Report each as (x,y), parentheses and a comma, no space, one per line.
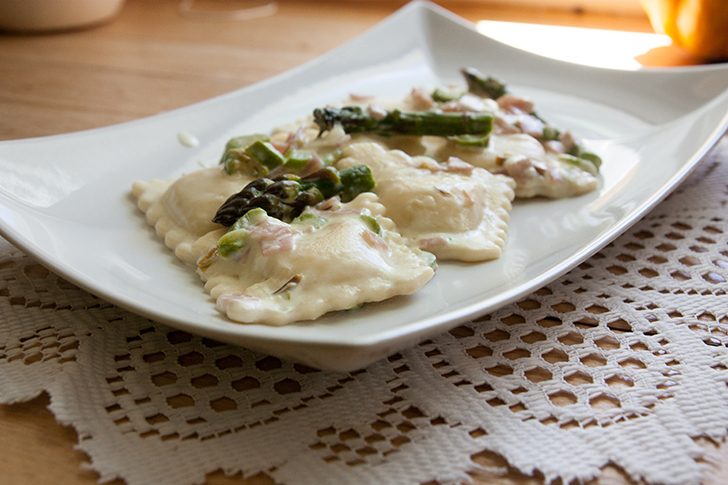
(243,141)
(326,180)
(287,196)
(582,163)
(579,152)
(308,218)
(265,154)
(443,95)
(371,223)
(592,157)
(251,218)
(355,180)
(232,241)
(239,234)
(296,160)
(234,158)
(471,140)
(426,123)
(550,133)
(481,85)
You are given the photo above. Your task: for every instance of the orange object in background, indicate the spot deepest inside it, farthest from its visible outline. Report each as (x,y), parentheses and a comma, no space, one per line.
(699,26)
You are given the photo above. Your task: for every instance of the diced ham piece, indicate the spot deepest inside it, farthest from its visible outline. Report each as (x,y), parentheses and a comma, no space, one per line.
(432,243)
(332,204)
(359,98)
(420,100)
(376,112)
(373,240)
(285,144)
(567,140)
(456,165)
(273,238)
(515,104)
(523,169)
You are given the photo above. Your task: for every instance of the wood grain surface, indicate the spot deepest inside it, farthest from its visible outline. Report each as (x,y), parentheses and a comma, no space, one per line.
(151,59)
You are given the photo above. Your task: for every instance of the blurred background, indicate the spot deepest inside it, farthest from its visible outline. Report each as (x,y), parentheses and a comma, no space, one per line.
(68,65)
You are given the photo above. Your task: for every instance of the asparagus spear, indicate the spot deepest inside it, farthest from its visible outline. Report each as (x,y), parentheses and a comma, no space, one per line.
(286,197)
(355,120)
(490,87)
(481,85)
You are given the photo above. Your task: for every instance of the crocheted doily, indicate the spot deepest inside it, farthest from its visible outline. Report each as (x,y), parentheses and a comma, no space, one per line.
(621,357)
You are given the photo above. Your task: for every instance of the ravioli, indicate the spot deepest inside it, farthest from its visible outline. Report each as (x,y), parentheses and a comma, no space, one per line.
(524,159)
(333,257)
(454,210)
(181,212)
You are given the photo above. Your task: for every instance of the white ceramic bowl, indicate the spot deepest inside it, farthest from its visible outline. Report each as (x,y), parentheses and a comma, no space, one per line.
(40,15)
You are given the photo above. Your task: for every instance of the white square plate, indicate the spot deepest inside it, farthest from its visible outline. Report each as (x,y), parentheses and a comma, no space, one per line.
(65,199)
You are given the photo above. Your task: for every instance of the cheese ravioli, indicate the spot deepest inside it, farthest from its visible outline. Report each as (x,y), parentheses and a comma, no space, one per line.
(454,210)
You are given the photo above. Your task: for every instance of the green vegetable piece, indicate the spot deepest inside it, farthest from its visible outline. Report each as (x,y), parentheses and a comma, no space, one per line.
(311,219)
(296,160)
(581,163)
(550,133)
(481,85)
(443,95)
(232,242)
(244,140)
(287,196)
(234,158)
(326,180)
(471,140)
(265,154)
(237,161)
(251,218)
(422,123)
(282,198)
(355,180)
(579,152)
(371,223)
(592,157)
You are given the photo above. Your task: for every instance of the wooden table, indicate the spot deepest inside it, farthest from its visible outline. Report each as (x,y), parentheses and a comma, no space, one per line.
(152,59)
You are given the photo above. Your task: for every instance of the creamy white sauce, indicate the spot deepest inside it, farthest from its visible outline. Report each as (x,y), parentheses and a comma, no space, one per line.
(188,139)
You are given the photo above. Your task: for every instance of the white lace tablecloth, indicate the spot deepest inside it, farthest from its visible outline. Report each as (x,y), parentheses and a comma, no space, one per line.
(621,361)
